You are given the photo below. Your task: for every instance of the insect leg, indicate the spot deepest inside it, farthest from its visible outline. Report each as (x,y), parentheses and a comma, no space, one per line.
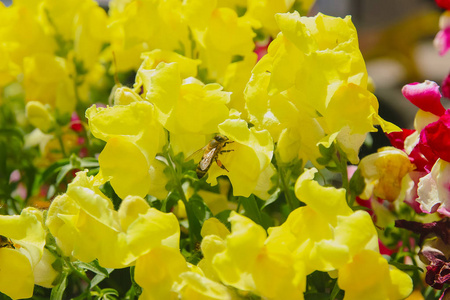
(223,151)
(219,163)
(226,143)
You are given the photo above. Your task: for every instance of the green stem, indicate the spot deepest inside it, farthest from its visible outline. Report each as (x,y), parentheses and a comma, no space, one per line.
(285,175)
(61,143)
(341,163)
(193,239)
(238,205)
(77,272)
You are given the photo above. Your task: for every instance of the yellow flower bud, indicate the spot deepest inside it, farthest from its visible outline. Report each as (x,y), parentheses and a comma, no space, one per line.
(39,116)
(384,173)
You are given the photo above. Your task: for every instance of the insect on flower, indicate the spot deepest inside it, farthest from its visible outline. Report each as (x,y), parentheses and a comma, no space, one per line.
(210,153)
(6,243)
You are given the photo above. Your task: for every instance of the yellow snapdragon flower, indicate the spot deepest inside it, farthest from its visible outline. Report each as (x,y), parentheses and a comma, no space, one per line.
(264,11)
(326,235)
(81,21)
(225,45)
(124,95)
(386,174)
(133,137)
(86,226)
(242,259)
(21,33)
(188,109)
(313,71)
(135,27)
(370,277)
(187,66)
(163,273)
(249,160)
(48,40)
(21,254)
(39,115)
(8,69)
(47,80)
(220,33)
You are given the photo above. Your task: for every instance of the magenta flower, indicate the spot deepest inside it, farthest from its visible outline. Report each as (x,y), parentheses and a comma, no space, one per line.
(445,4)
(425,96)
(436,136)
(442,40)
(75,122)
(397,138)
(446,86)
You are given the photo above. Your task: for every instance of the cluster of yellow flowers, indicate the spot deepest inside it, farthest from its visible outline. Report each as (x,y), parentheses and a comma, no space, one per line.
(197,75)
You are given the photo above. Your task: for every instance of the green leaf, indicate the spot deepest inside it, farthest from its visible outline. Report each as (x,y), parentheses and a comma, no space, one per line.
(405,267)
(327,152)
(109,293)
(170,201)
(199,208)
(272,198)
(357,183)
(97,279)
(223,217)
(58,290)
(267,220)
(89,162)
(135,290)
(368,142)
(240,10)
(336,169)
(360,207)
(93,266)
(63,172)
(251,208)
(316,296)
(323,160)
(194,214)
(53,169)
(12,133)
(335,291)
(237,58)
(51,191)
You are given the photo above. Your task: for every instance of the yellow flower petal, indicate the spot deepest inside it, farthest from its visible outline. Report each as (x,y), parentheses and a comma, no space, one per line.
(131,147)
(196,286)
(16,274)
(243,246)
(327,201)
(86,226)
(39,116)
(384,172)
(251,153)
(215,227)
(166,265)
(368,276)
(126,167)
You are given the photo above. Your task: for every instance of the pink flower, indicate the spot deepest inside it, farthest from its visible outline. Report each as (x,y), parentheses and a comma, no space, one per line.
(442,40)
(397,138)
(446,86)
(261,47)
(445,4)
(425,96)
(436,136)
(422,155)
(75,123)
(434,189)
